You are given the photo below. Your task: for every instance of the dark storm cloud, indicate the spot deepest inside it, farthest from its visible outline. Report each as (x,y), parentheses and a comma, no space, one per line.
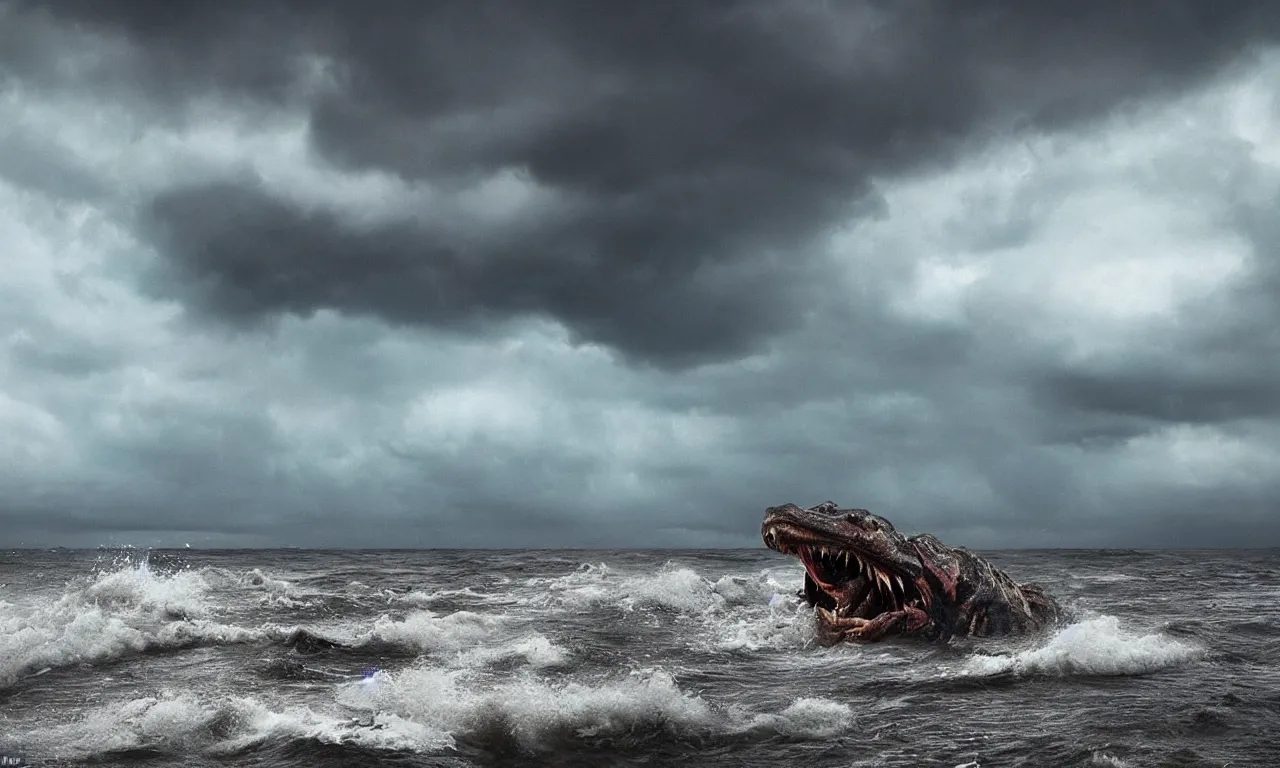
(702,145)
(237,252)
(1176,396)
(883,224)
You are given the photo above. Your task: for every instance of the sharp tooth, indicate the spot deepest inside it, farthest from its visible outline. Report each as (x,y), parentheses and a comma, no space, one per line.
(846,560)
(902,589)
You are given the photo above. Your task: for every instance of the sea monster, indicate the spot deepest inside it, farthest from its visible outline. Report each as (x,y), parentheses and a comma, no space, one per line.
(868,582)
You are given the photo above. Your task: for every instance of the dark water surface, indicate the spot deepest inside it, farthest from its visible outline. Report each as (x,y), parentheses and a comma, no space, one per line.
(451,658)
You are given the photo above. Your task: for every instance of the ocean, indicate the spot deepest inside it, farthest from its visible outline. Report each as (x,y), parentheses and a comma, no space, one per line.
(598,658)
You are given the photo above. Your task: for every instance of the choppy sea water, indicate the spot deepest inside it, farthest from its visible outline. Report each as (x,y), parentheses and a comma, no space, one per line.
(475,658)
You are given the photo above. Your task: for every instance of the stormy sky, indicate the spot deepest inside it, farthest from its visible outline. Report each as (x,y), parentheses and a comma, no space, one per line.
(624,274)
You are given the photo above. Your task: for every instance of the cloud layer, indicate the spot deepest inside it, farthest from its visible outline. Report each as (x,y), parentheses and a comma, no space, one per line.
(487,274)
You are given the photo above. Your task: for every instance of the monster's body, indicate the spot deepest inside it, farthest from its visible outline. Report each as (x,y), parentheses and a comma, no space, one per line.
(867,581)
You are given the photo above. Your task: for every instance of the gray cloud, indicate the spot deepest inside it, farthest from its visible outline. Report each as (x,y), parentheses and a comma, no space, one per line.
(699,147)
(572,273)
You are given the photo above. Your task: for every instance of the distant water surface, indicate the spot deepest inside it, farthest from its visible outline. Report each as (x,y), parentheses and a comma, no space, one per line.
(477,658)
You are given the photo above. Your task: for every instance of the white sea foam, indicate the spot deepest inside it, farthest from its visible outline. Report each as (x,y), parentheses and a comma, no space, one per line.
(783,622)
(425,631)
(180,594)
(529,709)
(425,599)
(424,710)
(134,609)
(420,632)
(737,612)
(535,650)
(1095,646)
(811,718)
(58,638)
(182,722)
(672,587)
(1105,760)
(125,611)
(533,711)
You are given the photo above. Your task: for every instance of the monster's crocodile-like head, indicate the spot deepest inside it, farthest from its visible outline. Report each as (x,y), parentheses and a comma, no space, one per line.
(867,581)
(863,577)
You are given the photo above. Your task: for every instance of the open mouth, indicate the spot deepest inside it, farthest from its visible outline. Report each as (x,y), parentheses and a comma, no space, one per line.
(850,591)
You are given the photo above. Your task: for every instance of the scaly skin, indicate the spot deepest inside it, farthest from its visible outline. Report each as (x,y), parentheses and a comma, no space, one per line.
(868,582)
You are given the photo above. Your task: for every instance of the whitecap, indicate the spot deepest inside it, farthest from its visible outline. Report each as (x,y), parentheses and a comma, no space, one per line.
(532,710)
(1107,760)
(536,651)
(426,631)
(807,717)
(177,595)
(126,611)
(1095,646)
(184,723)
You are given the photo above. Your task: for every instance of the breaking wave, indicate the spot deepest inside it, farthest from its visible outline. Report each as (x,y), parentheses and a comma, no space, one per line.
(182,723)
(430,710)
(735,613)
(1095,646)
(124,611)
(534,713)
(134,610)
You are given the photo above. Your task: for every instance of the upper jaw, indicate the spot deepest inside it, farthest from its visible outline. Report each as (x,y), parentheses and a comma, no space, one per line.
(857,584)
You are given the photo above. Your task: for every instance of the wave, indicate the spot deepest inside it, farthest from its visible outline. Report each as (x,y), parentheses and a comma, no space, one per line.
(534,650)
(1107,760)
(182,723)
(177,595)
(133,610)
(672,587)
(737,612)
(1095,646)
(92,636)
(425,599)
(432,711)
(1109,578)
(129,610)
(806,718)
(532,713)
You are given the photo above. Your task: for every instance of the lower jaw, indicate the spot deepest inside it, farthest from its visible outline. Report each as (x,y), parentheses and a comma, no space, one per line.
(833,620)
(829,635)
